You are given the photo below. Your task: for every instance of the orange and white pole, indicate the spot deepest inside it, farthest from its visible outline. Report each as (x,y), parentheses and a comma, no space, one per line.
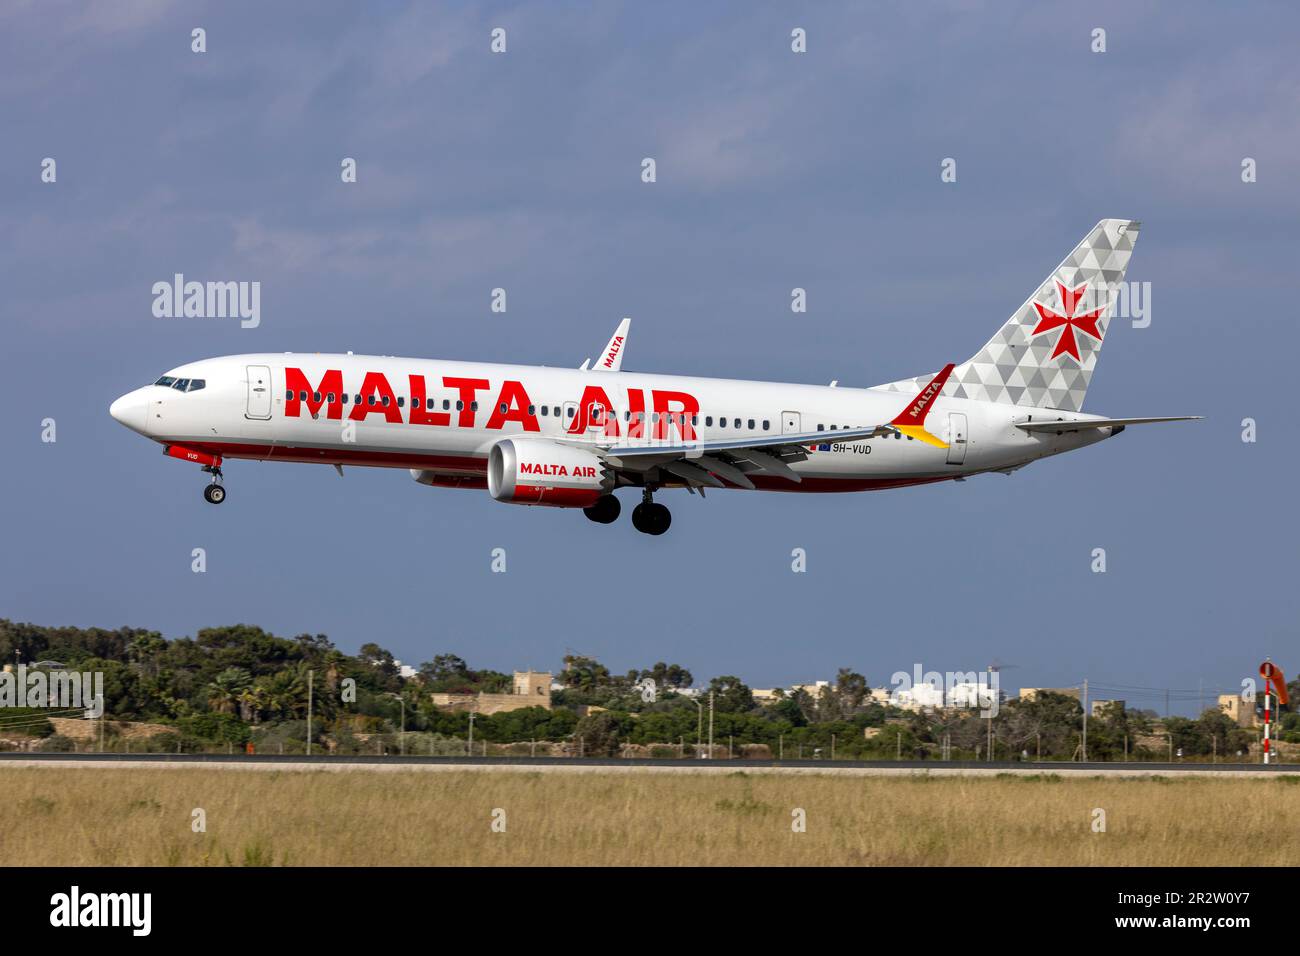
(1268,714)
(1273,679)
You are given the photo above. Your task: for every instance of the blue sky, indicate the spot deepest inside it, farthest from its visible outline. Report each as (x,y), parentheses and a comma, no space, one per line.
(775,170)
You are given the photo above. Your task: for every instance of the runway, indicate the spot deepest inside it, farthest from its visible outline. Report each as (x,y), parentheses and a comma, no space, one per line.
(879,768)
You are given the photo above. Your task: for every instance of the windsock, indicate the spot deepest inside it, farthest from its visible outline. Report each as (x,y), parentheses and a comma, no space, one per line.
(1271,672)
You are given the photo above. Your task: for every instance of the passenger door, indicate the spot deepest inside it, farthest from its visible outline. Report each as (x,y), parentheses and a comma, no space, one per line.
(259,392)
(956,438)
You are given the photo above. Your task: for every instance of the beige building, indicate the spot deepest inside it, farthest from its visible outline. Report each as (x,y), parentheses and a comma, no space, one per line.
(1030,693)
(531,689)
(1102,708)
(1240,712)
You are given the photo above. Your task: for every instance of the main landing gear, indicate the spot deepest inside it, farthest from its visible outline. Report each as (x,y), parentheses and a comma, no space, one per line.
(605,510)
(650,517)
(215,493)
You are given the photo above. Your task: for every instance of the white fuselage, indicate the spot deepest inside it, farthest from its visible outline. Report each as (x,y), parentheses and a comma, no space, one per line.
(251,406)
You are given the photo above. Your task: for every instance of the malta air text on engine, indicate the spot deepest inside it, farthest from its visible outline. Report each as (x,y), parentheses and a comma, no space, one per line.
(556,471)
(376,396)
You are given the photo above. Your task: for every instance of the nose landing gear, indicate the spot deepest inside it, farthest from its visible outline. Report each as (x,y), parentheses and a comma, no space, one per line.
(214,493)
(649,517)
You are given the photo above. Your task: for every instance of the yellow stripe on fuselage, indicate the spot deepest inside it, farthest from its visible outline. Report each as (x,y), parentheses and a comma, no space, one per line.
(920,434)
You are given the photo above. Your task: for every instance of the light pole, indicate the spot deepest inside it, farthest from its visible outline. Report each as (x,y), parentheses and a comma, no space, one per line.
(990,728)
(310,675)
(710,725)
(1083,745)
(401,740)
(699,723)
(469,749)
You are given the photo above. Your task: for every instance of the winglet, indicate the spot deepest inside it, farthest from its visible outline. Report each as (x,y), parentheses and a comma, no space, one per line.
(611,360)
(911,421)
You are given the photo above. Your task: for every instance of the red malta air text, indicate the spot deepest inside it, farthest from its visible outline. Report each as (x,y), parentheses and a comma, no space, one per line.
(556,471)
(673,409)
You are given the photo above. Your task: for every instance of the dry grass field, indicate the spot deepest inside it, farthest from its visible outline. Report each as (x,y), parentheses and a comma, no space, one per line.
(80,816)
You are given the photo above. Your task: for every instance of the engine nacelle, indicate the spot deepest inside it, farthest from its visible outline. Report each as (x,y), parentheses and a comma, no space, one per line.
(533,471)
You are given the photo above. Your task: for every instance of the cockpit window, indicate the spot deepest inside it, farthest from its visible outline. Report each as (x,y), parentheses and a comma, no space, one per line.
(181,384)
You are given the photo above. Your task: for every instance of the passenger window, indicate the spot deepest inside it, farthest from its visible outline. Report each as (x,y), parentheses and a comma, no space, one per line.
(557,411)
(315,396)
(737,422)
(288,395)
(460,406)
(370,399)
(821,428)
(722,423)
(569,412)
(708,421)
(344,396)
(329,397)
(766,424)
(429,404)
(504,408)
(473,406)
(545,409)
(446,404)
(751,424)
(356,400)
(302,396)
(401,401)
(532,409)
(385,401)
(695,419)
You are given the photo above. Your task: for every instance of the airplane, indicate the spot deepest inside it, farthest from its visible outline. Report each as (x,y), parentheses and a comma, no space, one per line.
(571,438)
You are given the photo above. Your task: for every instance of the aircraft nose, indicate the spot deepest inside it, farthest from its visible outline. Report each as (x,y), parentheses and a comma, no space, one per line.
(132,410)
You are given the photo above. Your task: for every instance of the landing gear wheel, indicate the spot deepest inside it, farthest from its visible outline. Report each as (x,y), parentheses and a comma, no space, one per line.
(605,511)
(651,518)
(214,494)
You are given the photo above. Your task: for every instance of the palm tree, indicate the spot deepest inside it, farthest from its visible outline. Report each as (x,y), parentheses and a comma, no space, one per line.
(226,687)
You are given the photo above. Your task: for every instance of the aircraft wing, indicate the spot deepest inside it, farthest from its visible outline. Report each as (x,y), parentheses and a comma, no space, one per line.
(704,462)
(1057,427)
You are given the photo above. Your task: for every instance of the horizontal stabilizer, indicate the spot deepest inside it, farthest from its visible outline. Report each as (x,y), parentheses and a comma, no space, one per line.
(1099,423)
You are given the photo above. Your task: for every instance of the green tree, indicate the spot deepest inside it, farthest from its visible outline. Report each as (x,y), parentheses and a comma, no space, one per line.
(730,695)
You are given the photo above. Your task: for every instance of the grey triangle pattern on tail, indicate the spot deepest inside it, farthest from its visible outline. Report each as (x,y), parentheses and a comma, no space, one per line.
(1018,367)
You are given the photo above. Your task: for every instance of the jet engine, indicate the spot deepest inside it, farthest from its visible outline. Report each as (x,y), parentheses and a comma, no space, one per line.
(533,471)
